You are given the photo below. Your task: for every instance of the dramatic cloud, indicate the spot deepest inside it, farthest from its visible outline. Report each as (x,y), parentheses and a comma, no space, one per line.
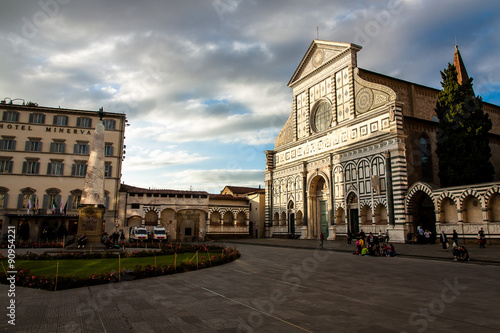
(203,81)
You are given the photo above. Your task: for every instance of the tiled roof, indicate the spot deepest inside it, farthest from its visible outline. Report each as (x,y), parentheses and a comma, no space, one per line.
(226,197)
(133,189)
(244,190)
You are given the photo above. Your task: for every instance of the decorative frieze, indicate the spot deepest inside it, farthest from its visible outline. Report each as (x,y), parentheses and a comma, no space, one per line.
(337,138)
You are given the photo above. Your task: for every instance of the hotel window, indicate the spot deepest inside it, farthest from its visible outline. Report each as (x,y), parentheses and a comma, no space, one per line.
(108,169)
(108,149)
(84,122)
(54,200)
(26,200)
(109,124)
(79,168)
(37,118)
(31,167)
(60,120)
(76,197)
(34,144)
(3,200)
(8,143)
(6,165)
(12,116)
(27,194)
(58,146)
(55,168)
(81,148)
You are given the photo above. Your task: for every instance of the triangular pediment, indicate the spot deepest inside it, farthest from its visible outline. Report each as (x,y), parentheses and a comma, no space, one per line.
(320,53)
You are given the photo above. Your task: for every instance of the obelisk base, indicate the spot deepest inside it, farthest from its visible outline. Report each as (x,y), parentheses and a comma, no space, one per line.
(90,222)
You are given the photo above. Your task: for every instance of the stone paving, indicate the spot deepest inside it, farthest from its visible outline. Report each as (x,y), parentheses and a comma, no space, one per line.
(276,288)
(488,255)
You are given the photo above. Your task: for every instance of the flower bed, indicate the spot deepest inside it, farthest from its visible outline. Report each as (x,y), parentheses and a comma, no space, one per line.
(33,245)
(25,278)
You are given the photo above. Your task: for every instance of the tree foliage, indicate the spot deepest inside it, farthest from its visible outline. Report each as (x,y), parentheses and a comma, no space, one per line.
(462,139)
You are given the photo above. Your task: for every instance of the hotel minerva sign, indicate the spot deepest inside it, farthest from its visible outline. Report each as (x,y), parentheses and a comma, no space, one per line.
(47,129)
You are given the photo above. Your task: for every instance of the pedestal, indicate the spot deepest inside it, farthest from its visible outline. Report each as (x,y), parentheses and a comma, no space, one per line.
(90,222)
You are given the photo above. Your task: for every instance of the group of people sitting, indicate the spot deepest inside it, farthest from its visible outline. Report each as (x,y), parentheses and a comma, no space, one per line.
(106,240)
(460,253)
(371,246)
(82,241)
(375,250)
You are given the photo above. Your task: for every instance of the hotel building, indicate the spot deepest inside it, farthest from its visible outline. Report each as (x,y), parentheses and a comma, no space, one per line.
(43,160)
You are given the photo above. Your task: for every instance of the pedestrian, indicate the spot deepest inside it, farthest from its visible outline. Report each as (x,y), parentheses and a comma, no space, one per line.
(122,237)
(427,235)
(444,241)
(481,238)
(362,235)
(349,237)
(370,240)
(454,237)
(421,236)
(321,239)
(360,244)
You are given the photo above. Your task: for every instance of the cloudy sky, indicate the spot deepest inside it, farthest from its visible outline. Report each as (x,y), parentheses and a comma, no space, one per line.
(203,83)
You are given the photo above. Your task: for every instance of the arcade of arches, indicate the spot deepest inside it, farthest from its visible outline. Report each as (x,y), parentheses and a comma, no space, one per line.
(465,210)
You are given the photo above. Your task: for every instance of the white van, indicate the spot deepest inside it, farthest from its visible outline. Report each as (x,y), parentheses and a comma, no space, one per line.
(139,233)
(159,233)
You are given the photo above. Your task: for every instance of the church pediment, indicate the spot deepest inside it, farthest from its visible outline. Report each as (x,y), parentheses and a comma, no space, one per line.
(319,54)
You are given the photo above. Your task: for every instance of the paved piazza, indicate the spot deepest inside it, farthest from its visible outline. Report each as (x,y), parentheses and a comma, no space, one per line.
(274,289)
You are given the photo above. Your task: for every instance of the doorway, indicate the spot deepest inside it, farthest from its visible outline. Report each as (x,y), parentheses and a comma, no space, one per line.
(352,208)
(291,223)
(424,215)
(323,207)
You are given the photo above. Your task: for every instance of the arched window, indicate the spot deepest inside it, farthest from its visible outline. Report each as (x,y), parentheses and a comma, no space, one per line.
(425,159)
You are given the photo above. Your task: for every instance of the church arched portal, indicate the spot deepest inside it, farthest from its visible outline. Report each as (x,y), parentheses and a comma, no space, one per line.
(319,196)
(423,214)
(353,213)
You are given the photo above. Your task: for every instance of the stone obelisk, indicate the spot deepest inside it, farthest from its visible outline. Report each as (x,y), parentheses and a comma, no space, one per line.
(91,209)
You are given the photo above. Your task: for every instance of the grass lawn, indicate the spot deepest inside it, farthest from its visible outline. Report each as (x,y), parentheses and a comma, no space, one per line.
(86,267)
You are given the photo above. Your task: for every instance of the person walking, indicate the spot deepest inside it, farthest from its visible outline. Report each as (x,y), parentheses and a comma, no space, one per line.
(481,238)
(454,237)
(444,241)
(349,238)
(321,239)
(427,235)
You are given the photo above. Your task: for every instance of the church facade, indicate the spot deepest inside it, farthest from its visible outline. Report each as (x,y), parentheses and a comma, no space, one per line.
(358,152)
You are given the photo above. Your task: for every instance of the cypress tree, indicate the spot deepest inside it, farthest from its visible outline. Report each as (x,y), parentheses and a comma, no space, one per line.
(462,138)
